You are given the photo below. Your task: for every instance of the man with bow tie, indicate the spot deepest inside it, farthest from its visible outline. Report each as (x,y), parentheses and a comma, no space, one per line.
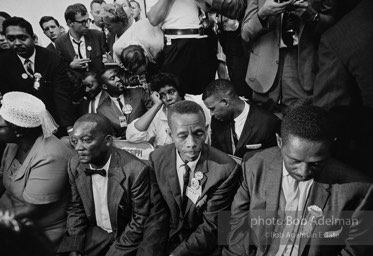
(110,194)
(196,181)
(35,70)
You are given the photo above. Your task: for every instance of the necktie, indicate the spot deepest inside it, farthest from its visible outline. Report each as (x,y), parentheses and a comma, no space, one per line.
(106,46)
(79,53)
(289,27)
(120,104)
(186,183)
(28,68)
(92,109)
(91,172)
(234,134)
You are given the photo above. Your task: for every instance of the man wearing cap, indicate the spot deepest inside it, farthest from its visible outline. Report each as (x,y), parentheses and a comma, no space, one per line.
(35,70)
(196,181)
(110,194)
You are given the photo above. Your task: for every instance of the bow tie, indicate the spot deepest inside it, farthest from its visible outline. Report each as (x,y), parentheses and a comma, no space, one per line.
(90,172)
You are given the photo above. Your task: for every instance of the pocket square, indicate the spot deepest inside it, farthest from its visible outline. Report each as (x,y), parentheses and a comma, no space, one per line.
(332,234)
(201,202)
(254,146)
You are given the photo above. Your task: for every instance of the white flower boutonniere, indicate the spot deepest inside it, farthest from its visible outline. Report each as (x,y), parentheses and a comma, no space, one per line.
(37,77)
(314,213)
(127,109)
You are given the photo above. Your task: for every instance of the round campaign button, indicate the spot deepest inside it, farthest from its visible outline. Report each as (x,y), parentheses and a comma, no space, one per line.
(195,183)
(24,76)
(198,175)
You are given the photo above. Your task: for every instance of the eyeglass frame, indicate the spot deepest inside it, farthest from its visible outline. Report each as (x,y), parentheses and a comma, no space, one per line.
(84,22)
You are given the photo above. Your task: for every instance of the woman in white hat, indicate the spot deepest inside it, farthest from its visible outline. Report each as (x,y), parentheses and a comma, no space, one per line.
(34,165)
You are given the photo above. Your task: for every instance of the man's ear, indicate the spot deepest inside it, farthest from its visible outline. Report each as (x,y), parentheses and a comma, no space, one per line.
(109,140)
(279,140)
(225,100)
(104,87)
(69,23)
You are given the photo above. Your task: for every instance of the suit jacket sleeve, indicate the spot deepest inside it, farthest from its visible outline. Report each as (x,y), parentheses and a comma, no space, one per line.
(204,238)
(156,226)
(233,9)
(77,221)
(130,239)
(238,241)
(62,95)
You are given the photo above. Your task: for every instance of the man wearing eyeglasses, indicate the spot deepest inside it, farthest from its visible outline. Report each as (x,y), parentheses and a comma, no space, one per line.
(81,47)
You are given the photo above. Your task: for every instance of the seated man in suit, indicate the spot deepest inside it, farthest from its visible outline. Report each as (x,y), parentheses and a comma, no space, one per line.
(52,29)
(99,171)
(35,70)
(238,126)
(295,200)
(153,125)
(124,104)
(196,181)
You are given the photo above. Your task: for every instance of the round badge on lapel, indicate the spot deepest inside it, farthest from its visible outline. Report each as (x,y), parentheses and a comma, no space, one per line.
(198,175)
(195,183)
(89,48)
(24,76)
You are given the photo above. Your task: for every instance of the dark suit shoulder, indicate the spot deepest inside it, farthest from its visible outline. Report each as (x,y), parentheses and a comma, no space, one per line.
(130,163)
(93,33)
(263,116)
(260,161)
(61,39)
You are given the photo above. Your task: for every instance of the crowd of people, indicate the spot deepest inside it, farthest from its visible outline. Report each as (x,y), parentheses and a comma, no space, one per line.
(260,113)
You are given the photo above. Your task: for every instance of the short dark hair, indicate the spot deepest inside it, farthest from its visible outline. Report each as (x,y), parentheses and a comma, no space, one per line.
(133,56)
(96,2)
(4,15)
(184,107)
(161,80)
(103,71)
(220,86)
(307,122)
(133,1)
(45,19)
(74,9)
(18,21)
(102,123)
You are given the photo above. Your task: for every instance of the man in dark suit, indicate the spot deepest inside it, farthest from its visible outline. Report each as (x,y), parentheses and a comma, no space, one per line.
(110,193)
(196,181)
(52,29)
(344,84)
(237,126)
(123,105)
(296,200)
(82,48)
(35,70)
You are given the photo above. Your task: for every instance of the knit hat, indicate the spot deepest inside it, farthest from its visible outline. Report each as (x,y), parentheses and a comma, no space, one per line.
(27,111)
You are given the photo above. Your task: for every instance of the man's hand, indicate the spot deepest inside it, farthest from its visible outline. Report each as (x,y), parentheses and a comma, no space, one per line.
(271,8)
(302,9)
(156,98)
(79,63)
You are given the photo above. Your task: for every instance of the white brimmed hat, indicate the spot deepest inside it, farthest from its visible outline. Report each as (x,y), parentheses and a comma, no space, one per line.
(27,111)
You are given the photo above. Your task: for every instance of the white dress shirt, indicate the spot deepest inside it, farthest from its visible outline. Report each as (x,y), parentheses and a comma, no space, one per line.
(82,46)
(180,168)
(115,100)
(99,189)
(239,123)
(32,60)
(95,102)
(295,203)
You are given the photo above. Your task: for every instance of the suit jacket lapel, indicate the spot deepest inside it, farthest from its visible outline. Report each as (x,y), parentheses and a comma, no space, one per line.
(246,131)
(318,195)
(173,180)
(115,190)
(84,185)
(69,46)
(272,193)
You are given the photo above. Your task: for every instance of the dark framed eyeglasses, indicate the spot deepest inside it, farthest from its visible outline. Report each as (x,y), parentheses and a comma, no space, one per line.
(84,22)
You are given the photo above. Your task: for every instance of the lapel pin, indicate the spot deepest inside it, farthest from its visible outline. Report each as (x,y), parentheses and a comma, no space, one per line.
(24,76)
(37,77)
(89,48)
(195,183)
(127,109)
(198,175)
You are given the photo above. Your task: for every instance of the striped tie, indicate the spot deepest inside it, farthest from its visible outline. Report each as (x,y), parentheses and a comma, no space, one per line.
(28,68)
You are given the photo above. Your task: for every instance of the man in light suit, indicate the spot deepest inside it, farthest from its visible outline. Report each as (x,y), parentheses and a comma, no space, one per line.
(298,182)
(237,126)
(110,193)
(37,71)
(284,38)
(122,105)
(196,181)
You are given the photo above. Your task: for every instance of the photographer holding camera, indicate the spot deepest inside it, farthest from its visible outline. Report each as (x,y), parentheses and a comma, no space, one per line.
(284,37)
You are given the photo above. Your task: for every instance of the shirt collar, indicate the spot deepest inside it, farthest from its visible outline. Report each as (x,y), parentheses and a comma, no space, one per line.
(31,58)
(105,167)
(243,114)
(192,164)
(286,173)
(82,38)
